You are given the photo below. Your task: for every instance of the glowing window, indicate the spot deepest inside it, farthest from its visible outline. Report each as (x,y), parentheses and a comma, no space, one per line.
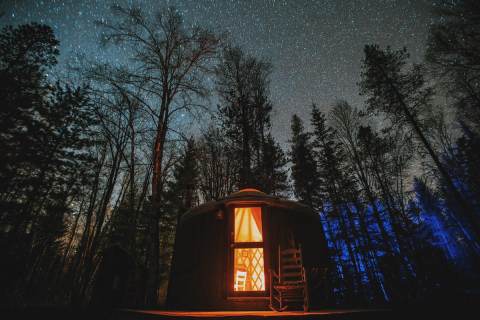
(248,225)
(248,267)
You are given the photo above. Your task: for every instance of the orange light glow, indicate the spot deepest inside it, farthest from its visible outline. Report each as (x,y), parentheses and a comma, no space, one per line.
(248,225)
(248,270)
(249,314)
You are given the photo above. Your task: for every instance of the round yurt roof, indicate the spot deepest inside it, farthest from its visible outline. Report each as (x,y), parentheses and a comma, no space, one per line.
(245,196)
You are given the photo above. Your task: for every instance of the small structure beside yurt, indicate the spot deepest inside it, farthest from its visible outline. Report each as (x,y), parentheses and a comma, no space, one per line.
(225,250)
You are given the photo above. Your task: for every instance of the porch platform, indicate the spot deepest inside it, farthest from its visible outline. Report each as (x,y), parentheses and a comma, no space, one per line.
(130,314)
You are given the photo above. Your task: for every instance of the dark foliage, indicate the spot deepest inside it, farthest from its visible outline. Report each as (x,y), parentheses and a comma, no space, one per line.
(244,113)
(46,133)
(93,176)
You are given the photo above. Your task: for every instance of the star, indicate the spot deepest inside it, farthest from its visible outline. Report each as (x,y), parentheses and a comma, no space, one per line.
(315,47)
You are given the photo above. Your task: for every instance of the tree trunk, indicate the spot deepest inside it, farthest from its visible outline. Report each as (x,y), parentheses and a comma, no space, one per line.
(157,187)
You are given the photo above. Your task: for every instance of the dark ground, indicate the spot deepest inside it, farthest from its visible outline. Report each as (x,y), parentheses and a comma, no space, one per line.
(440,310)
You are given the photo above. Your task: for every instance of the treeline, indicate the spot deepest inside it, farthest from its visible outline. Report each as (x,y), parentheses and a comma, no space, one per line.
(104,163)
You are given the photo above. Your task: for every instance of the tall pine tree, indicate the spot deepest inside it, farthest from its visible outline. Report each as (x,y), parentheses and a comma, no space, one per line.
(304,169)
(244,112)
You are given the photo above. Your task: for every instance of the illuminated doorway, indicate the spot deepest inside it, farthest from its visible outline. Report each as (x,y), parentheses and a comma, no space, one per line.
(248,255)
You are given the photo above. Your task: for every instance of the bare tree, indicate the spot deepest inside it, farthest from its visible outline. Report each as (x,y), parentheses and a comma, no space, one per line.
(169,65)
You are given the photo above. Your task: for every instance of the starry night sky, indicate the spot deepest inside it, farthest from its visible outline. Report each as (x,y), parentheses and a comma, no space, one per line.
(315,47)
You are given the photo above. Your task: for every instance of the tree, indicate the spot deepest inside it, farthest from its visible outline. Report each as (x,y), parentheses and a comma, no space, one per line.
(217,169)
(46,136)
(271,170)
(453,52)
(304,169)
(182,189)
(26,53)
(405,99)
(244,111)
(171,62)
(180,196)
(334,188)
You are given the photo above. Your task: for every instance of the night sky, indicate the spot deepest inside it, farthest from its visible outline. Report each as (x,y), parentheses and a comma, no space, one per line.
(315,47)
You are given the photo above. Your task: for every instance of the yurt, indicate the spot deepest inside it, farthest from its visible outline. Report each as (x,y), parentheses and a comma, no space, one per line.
(225,252)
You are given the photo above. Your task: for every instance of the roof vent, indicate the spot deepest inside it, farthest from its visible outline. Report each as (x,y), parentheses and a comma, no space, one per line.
(247,192)
(250,190)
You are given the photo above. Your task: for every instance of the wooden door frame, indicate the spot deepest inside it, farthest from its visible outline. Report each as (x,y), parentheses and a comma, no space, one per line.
(230,209)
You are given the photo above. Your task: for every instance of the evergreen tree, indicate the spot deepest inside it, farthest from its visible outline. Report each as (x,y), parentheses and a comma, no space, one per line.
(244,111)
(271,171)
(26,53)
(465,165)
(180,196)
(405,99)
(453,52)
(304,169)
(182,188)
(327,155)
(453,55)
(217,169)
(46,135)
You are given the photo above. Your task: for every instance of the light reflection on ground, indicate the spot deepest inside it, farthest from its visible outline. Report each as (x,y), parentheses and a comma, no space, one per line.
(234,314)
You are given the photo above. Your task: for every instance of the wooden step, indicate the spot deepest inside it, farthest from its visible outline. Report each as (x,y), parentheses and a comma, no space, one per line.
(292,272)
(288,287)
(287,261)
(290,251)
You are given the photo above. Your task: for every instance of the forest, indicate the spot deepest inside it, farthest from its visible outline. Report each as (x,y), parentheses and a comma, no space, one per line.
(101,160)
